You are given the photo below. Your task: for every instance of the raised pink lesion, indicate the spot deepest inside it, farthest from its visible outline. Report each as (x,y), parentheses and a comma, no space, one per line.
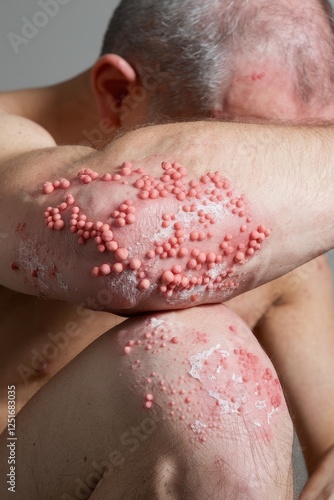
(164,235)
(254,76)
(230,371)
(221,378)
(186,251)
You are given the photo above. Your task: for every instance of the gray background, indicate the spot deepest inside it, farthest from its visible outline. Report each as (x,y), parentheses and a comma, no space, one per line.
(68,44)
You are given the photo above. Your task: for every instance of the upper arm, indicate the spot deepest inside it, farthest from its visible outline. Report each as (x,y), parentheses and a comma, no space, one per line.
(298,334)
(19,135)
(29,156)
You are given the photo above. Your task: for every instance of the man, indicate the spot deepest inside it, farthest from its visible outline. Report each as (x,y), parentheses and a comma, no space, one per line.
(177,405)
(115,85)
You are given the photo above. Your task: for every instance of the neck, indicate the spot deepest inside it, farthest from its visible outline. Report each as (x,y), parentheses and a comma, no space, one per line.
(65,110)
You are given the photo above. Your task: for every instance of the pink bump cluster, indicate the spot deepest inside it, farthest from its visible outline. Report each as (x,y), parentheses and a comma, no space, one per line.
(211,188)
(267,386)
(188,248)
(171,182)
(201,260)
(49,187)
(252,392)
(125,214)
(149,399)
(53,216)
(233,382)
(86,175)
(125,171)
(153,342)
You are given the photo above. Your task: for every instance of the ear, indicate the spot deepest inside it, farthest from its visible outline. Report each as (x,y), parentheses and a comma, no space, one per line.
(111,78)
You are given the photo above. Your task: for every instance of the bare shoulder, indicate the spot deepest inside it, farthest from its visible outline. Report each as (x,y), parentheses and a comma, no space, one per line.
(19,135)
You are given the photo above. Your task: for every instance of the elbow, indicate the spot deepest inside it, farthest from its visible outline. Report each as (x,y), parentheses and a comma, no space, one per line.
(160,242)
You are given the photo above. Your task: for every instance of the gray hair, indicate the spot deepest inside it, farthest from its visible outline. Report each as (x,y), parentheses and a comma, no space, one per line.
(194,45)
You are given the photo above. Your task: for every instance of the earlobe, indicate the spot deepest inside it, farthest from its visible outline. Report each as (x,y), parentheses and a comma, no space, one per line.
(111,77)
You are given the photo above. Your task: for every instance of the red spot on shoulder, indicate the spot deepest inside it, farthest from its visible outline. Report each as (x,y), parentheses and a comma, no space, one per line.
(257,76)
(201,338)
(20,227)
(276,400)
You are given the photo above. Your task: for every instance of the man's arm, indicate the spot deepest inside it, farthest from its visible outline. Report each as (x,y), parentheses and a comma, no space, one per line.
(164,237)
(321,484)
(298,335)
(193,404)
(27,154)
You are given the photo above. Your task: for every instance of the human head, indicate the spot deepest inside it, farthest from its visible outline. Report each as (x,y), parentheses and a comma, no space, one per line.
(216,58)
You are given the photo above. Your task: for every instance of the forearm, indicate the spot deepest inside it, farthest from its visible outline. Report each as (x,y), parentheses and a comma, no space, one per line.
(286,174)
(252,224)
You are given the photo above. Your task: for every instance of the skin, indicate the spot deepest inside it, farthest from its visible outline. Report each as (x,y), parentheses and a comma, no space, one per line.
(43,101)
(48,236)
(289,335)
(321,484)
(169,448)
(190,153)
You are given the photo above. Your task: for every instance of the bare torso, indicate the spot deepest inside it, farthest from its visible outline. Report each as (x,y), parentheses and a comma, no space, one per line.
(39,337)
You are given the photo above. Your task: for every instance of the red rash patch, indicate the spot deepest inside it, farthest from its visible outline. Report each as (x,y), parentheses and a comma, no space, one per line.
(257,76)
(206,389)
(195,256)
